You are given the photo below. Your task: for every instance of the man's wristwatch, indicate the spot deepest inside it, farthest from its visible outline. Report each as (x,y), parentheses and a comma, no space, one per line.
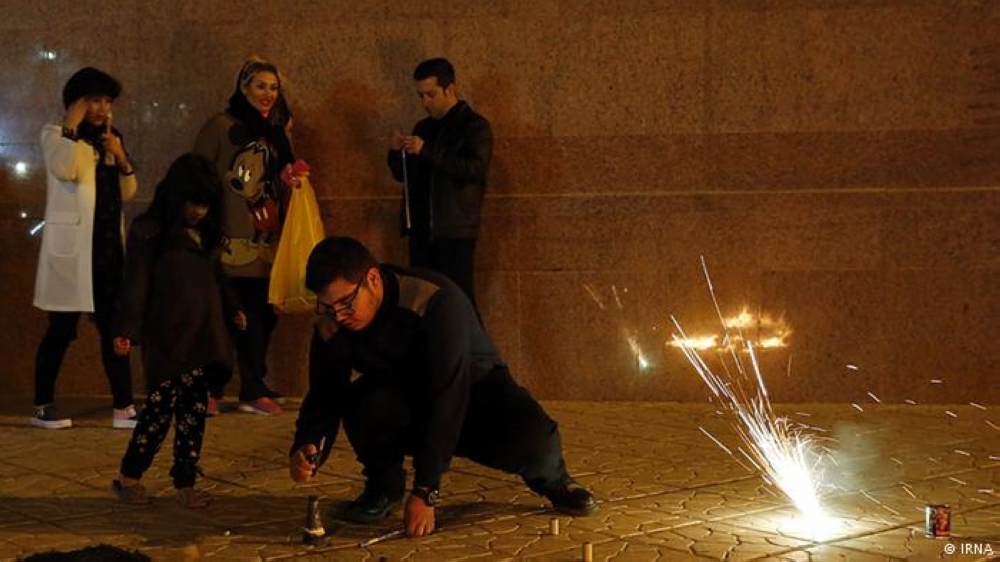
(430,496)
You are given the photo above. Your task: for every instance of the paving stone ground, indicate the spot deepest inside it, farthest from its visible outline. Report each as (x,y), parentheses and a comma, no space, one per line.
(667,491)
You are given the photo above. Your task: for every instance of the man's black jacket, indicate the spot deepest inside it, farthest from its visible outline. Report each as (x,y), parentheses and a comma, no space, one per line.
(426,338)
(447,179)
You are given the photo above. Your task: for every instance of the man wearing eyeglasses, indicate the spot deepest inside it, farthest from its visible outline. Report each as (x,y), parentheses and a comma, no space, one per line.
(399,356)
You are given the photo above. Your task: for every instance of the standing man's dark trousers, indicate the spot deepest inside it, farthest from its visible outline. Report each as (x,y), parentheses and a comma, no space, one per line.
(452,257)
(505,428)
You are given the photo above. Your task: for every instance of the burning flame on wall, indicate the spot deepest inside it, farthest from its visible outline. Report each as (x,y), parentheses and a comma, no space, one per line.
(770,333)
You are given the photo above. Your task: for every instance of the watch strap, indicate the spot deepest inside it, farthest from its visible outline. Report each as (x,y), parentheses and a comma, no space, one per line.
(429,496)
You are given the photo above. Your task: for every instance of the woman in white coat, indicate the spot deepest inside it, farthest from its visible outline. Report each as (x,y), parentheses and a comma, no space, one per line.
(81,262)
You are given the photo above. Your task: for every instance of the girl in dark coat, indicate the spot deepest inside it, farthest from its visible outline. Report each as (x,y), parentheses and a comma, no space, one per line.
(175,303)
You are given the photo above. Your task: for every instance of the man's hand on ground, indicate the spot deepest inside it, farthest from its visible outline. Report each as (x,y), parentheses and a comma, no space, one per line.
(419,517)
(299,467)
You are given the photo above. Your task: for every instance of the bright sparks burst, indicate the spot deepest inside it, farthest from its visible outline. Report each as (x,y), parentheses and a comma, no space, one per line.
(781,450)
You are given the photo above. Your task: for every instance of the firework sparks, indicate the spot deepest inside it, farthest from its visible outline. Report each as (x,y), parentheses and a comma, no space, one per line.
(636,349)
(593,294)
(616,307)
(786,456)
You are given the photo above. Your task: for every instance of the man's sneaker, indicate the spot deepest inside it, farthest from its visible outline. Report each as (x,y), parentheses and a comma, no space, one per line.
(571,498)
(49,417)
(372,506)
(263,406)
(124,418)
(213,407)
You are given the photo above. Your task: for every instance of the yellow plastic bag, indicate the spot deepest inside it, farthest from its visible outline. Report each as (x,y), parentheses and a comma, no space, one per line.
(303,229)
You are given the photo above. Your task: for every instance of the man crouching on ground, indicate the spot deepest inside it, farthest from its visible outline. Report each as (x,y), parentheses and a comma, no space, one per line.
(399,356)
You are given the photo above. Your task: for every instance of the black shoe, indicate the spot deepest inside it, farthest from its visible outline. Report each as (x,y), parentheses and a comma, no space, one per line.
(571,498)
(371,507)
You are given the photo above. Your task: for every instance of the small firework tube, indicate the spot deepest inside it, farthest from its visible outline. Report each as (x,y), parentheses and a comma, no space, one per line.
(937,521)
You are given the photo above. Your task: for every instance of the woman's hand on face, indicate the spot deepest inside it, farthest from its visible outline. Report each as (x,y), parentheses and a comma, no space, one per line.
(113,143)
(75,114)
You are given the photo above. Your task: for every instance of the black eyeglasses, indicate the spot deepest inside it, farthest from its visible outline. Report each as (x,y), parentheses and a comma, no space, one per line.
(344,305)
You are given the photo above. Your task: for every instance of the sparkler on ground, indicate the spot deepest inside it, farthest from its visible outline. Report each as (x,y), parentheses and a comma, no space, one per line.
(781,450)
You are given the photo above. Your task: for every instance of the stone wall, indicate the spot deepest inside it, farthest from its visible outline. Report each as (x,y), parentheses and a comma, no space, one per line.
(835,163)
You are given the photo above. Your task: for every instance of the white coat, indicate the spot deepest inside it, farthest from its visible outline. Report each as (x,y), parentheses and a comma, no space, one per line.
(64,280)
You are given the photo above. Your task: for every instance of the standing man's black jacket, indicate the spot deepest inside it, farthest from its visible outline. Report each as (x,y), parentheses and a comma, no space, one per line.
(425,337)
(447,179)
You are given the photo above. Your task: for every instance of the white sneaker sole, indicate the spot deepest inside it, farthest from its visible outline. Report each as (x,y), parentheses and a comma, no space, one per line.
(251,410)
(123,424)
(52,424)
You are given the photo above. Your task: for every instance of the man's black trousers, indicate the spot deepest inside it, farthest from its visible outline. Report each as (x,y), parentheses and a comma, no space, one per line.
(505,428)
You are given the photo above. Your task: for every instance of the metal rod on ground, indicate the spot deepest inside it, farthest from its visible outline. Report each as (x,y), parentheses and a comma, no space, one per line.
(388,536)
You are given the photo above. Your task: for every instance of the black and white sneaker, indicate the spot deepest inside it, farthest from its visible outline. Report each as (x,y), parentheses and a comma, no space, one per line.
(49,417)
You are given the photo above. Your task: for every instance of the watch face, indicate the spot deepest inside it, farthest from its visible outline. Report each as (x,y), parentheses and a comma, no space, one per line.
(430,497)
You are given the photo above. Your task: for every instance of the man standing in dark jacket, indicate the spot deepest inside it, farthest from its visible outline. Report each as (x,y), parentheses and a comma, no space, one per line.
(444,164)
(401,358)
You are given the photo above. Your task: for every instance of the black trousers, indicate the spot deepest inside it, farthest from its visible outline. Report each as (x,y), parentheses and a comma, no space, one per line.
(452,257)
(251,344)
(52,350)
(184,400)
(505,429)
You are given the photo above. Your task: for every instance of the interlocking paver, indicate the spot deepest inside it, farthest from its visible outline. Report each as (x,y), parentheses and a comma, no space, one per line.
(667,492)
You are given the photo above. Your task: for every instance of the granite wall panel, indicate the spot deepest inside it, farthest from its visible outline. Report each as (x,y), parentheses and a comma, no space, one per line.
(834,162)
